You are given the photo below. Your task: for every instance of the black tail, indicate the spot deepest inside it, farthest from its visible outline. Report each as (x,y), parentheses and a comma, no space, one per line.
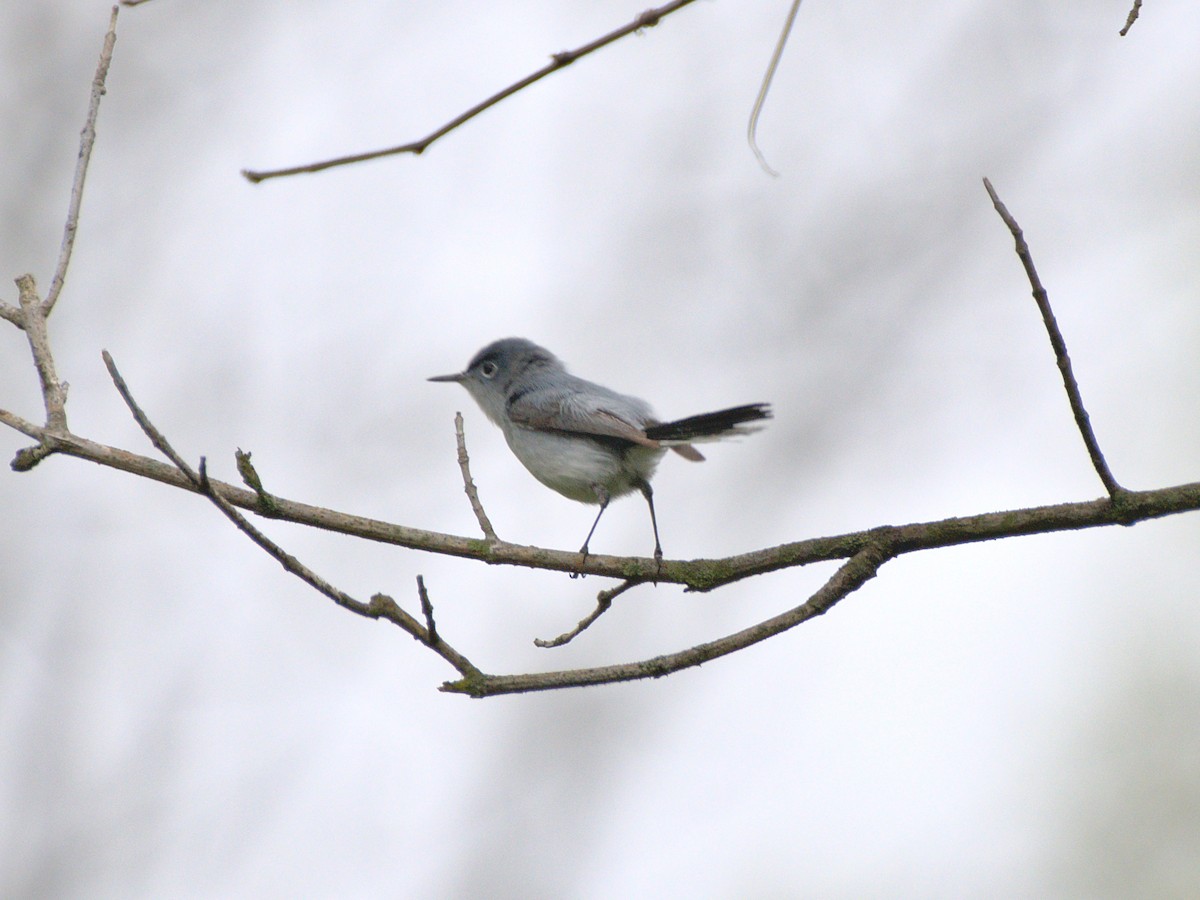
(710,425)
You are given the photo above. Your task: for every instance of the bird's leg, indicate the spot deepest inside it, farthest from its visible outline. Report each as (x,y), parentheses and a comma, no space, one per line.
(644,487)
(602,496)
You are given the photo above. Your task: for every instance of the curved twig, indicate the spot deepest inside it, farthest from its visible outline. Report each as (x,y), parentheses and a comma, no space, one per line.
(603,603)
(561,60)
(756,111)
(849,577)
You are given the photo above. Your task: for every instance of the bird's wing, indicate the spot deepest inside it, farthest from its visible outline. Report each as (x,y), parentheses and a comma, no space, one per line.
(587,413)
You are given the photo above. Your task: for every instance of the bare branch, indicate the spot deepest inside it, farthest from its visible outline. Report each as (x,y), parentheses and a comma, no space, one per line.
(852,575)
(156,438)
(33,312)
(697,574)
(772,66)
(464,464)
(1131,18)
(86,139)
(1082,420)
(380,607)
(32,320)
(384,607)
(864,552)
(603,603)
(54,392)
(561,60)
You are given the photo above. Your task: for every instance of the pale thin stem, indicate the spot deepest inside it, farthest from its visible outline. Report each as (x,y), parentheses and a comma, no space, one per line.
(54,392)
(86,140)
(1082,420)
(464,465)
(772,66)
(647,19)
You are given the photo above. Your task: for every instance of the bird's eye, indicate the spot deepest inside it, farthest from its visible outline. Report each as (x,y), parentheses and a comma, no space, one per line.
(488,369)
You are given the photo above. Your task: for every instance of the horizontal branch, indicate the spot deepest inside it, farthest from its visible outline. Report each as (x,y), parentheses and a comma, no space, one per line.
(1127,508)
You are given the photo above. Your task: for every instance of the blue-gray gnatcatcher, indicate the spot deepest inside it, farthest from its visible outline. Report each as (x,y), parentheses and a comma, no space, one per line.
(585,441)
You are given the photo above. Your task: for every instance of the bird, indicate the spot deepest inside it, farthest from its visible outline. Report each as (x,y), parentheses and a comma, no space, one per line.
(585,441)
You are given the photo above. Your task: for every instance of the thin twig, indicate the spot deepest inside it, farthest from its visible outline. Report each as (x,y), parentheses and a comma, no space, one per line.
(380,606)
(866,550)
(464,465)
(1082,420)
(647,19)
(849,577)
(1131,18)
(86,140)
(603,603)
(427,611)
(756,111)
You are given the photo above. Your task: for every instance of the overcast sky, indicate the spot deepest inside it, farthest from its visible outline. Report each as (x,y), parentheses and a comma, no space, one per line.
(182,718)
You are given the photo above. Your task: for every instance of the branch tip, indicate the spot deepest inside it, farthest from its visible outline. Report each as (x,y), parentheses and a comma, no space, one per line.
(464,466)
(603,603)
(427,611)
(1131,18)
(87,140)
(1059,344)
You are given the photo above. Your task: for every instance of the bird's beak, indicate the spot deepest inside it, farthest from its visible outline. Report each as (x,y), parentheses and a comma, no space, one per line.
(458,376)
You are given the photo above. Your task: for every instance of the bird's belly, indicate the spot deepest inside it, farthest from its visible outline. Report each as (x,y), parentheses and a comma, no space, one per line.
(576,466)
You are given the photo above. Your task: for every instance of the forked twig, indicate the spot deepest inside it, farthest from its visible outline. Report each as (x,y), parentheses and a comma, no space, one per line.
(33,323)
(380,605)
(603,602)
(561,60)
(850,576)
(1082,420)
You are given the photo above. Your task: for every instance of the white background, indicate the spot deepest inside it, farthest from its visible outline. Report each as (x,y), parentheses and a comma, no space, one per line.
(181,718)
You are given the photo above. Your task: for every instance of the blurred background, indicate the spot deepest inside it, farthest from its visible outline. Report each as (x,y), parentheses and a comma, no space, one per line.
(181,718)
